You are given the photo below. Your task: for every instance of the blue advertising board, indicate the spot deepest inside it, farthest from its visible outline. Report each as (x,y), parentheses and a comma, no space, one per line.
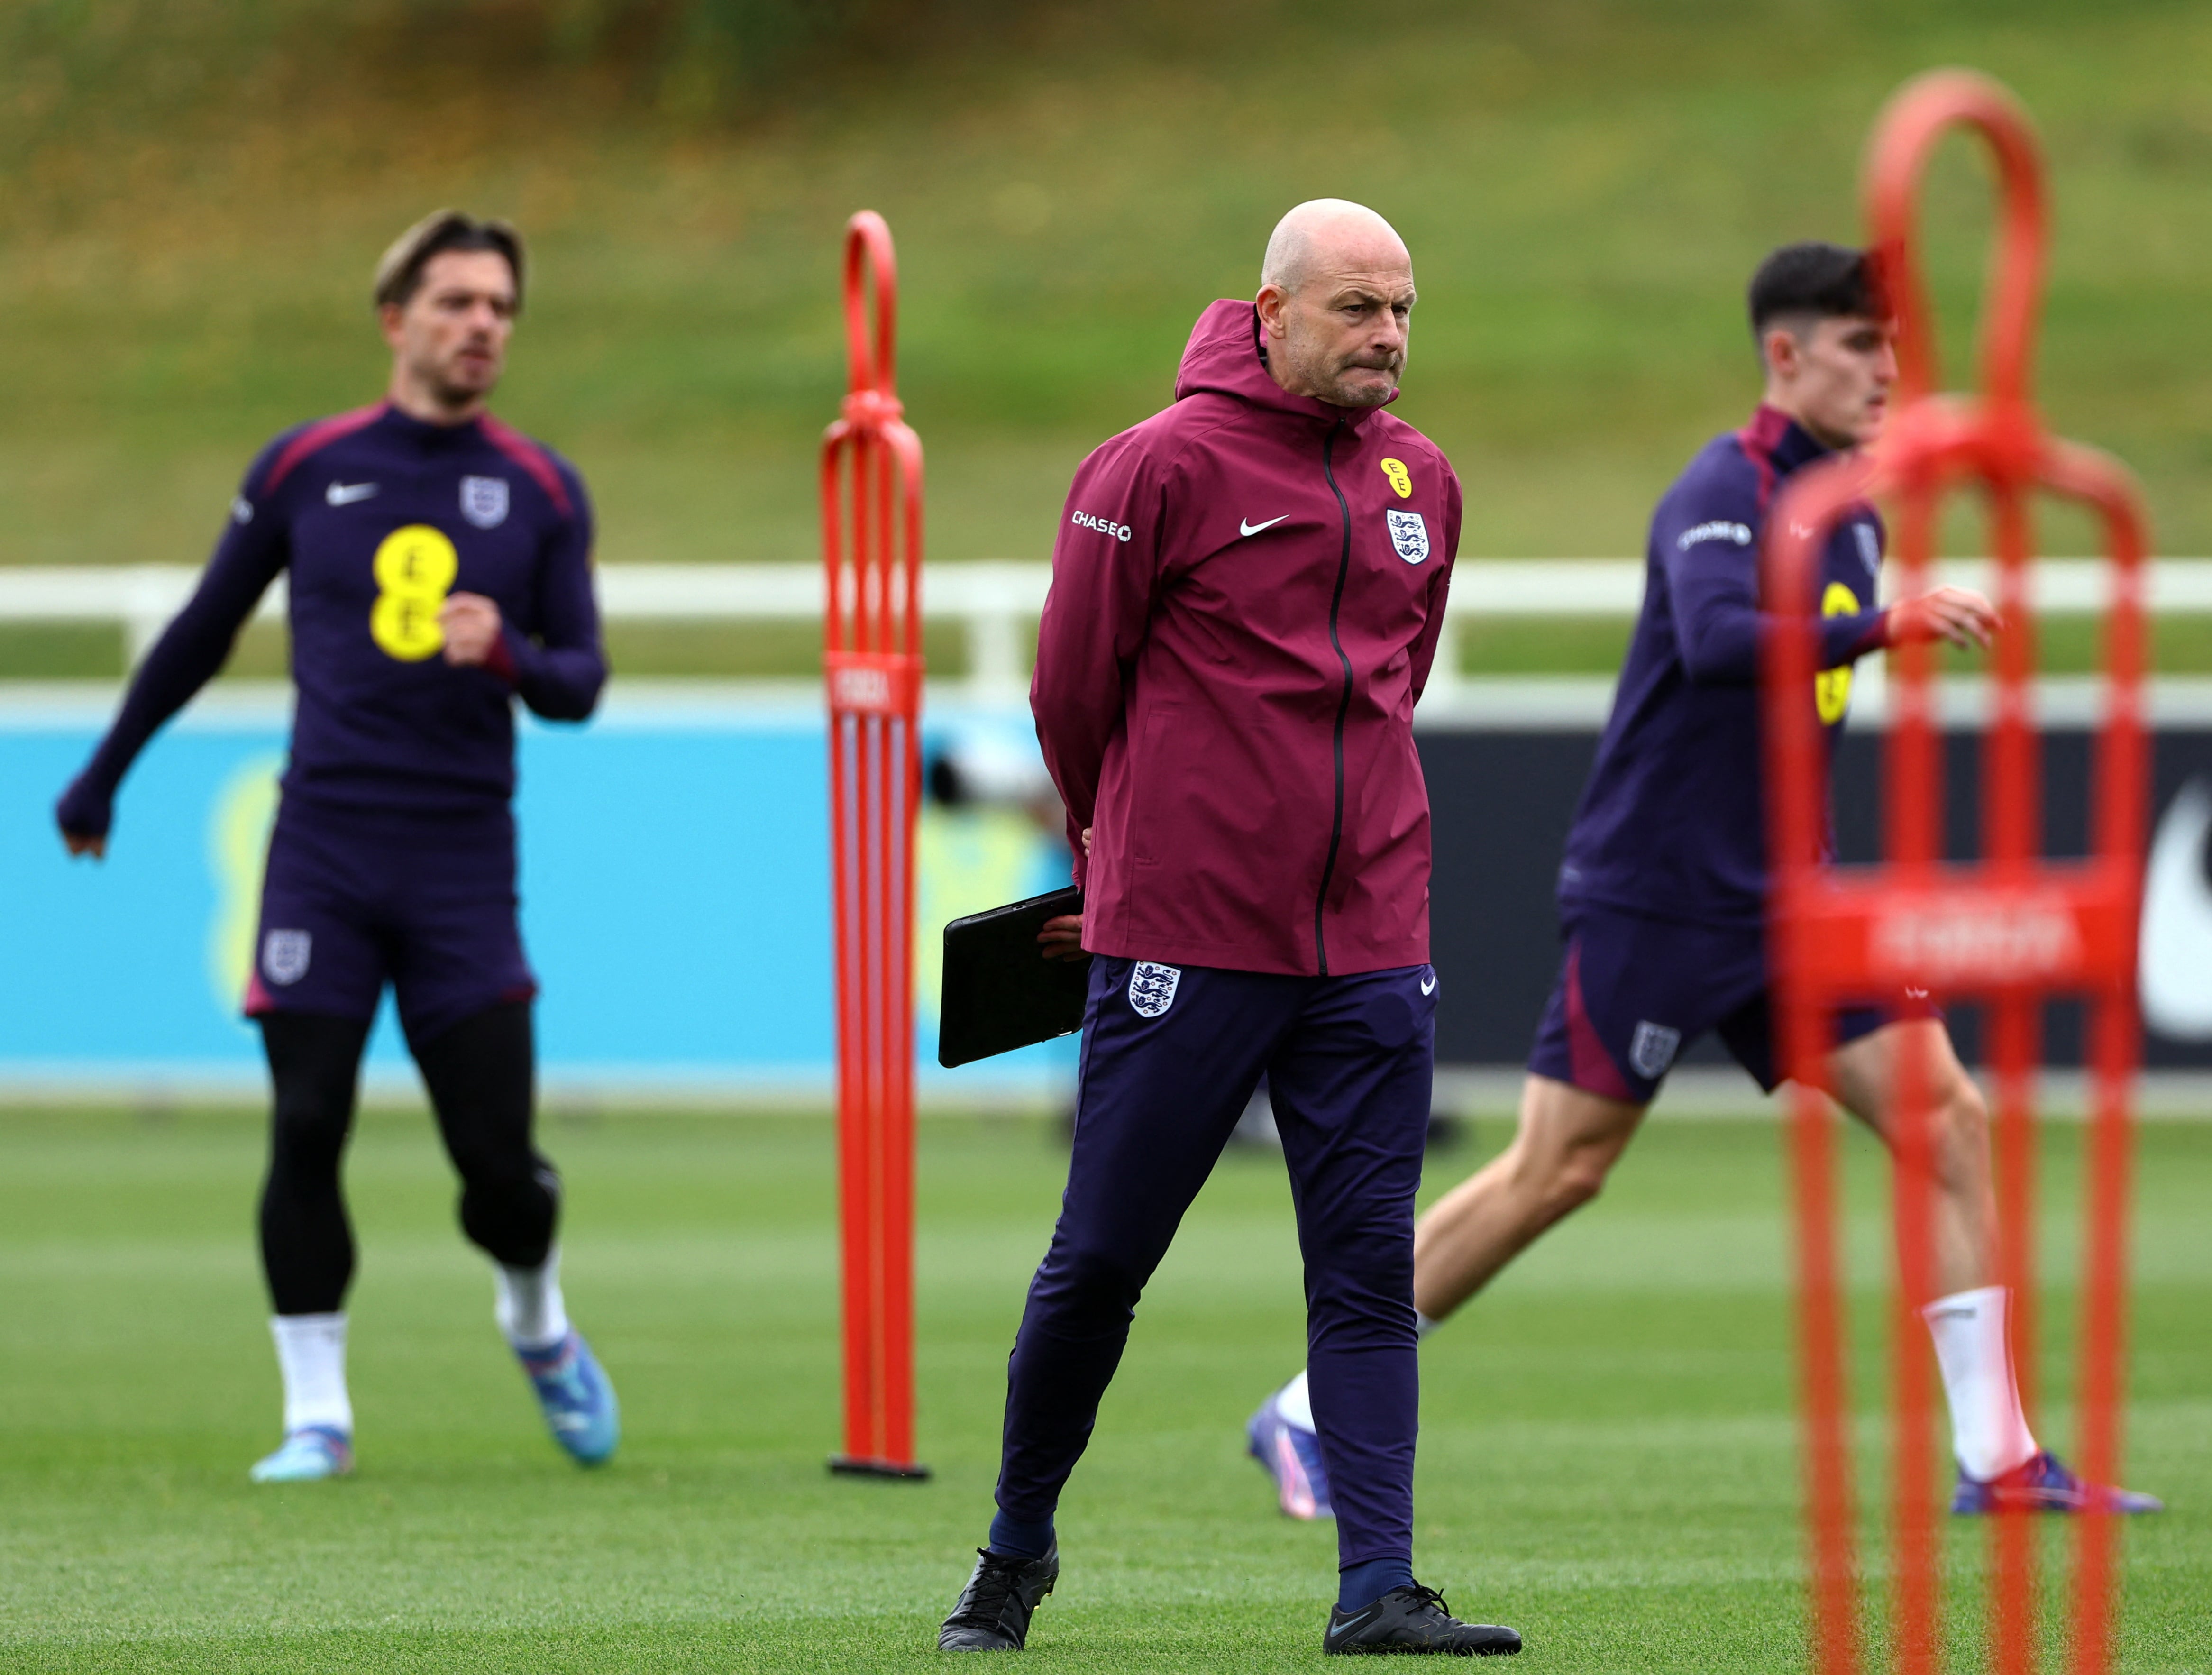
(675,897)
(675,884)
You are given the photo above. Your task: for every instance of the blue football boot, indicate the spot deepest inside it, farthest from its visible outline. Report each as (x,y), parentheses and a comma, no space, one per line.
(307,1455)
(579,1404)
(2044,1484)
(1291,1455)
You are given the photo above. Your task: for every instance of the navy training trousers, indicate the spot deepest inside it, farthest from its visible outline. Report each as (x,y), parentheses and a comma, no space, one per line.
(1170,1058)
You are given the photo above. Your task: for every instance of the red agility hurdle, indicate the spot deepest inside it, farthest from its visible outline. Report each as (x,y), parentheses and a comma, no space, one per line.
(872,663)
(2009,928)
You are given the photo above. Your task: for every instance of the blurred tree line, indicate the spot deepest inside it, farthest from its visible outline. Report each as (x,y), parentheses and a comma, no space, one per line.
(81,68)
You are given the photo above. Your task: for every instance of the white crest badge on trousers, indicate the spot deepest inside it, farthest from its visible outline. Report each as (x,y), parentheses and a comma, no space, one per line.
(1409,536)
(1152,988)
(483,501)
(284,955)
(1654,1049)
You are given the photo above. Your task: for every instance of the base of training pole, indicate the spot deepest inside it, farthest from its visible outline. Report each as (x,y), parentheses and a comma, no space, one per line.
(848,1465)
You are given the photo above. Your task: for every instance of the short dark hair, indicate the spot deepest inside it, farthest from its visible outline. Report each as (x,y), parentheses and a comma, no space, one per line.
(399,273)
(1823,280)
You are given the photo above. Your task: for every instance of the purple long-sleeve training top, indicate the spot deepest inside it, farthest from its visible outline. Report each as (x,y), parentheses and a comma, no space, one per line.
(1673,820)
(378,518)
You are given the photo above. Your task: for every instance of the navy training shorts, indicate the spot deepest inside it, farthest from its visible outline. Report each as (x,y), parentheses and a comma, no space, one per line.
(1633,992)
(351,901)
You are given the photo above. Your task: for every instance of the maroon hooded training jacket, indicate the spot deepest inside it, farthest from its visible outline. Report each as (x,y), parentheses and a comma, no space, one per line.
(1246,593)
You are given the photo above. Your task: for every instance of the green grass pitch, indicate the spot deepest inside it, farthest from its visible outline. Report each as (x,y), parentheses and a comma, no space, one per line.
(1607,1461)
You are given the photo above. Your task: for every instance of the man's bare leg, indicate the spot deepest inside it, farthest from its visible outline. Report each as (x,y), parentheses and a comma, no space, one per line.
(1567,1143)
(1864,1077)
(1570,1139)
(1989,1429)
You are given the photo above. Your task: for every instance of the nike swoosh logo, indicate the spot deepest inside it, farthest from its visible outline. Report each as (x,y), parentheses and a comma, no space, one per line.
(2174,967)
(1429,984)
(344,494)
(1244,529)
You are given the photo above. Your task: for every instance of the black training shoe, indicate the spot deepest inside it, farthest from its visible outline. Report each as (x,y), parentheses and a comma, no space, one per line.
(993,1613)
(1415,1619)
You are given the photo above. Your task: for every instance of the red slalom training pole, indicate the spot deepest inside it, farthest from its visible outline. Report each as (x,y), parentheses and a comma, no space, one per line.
(872,663)
(2010,927)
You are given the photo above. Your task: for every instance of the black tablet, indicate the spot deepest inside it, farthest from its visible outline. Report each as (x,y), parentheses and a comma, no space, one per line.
(1000,992)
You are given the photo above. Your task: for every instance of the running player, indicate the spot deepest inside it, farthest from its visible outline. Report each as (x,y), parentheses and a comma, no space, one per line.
(1663,893)
(439,567)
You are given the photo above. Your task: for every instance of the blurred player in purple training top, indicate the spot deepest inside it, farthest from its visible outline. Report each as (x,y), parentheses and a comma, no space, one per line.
(1662,893)
(439,567)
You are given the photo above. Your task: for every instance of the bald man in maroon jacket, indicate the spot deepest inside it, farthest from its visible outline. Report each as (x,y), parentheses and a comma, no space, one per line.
(1247,593)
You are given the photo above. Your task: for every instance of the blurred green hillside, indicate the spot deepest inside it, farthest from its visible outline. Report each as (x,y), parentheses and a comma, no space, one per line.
(195,193)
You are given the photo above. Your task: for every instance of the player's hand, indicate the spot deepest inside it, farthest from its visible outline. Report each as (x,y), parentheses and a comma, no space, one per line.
(83,815)
(1062,938)
(470,623)
(1959,615)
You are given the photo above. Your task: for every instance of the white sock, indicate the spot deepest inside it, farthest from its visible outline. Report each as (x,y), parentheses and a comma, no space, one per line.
(1294,1401)
(529,1308)
(310,1354)
(1989,1432)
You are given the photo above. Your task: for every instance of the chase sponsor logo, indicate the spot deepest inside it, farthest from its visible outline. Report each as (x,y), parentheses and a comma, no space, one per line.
(1119,532)
(1720,530)
(1152,988)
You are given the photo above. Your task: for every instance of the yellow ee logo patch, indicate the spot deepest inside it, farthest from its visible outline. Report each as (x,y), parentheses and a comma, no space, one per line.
(1831,690)
(415,569)
(1395,471)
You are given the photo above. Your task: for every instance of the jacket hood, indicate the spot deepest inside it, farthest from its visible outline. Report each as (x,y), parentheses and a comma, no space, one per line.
(1223,356)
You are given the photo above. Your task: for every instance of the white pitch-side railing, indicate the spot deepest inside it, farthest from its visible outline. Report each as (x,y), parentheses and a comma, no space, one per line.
(996,601)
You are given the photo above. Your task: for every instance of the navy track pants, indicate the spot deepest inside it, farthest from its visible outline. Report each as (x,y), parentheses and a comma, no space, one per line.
(1349,1063)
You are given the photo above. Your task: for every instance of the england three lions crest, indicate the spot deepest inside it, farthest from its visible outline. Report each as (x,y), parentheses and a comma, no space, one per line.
(284,955)
(1409,536)
(483,501)
(1152,988)
(1653,1049)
